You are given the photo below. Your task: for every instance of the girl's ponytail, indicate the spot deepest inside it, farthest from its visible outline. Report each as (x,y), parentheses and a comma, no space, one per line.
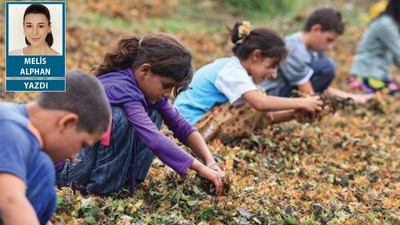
(121,56)
(247,39)
(239,33)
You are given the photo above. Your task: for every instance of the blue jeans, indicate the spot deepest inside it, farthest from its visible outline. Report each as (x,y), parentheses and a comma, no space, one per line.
(104,169)
(324,72)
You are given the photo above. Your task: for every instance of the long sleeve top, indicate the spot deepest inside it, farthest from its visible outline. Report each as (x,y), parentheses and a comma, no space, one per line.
(379,47)
(122,90)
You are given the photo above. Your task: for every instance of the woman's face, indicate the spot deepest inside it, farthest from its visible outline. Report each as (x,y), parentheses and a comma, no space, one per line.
(36,28)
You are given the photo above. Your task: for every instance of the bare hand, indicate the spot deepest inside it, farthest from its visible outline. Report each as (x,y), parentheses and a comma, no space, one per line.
(213,176)
(362,99)
(216,168)
(312,104)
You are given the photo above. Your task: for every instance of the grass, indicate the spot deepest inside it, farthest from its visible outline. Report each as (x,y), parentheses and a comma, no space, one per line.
(210,16)
(191,16)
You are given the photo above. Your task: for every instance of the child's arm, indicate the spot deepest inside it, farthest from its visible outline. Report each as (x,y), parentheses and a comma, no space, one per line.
(306,88)
(163,147)
(13,202)
(175,121)
(280,116)
(199,147)
(190,137)
(263,102)
(361,99)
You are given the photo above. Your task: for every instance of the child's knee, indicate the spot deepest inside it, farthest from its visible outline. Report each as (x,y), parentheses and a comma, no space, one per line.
(144,159)
(330,68)
(324,66)
(325,69)
(156,118)
(119,118)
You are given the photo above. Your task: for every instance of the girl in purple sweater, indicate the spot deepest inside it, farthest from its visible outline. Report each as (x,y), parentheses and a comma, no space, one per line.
(138,76)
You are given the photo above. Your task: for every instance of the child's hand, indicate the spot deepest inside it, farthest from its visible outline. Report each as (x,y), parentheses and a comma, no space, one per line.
(213,176)
(217,169)
(312,104)
(362,99)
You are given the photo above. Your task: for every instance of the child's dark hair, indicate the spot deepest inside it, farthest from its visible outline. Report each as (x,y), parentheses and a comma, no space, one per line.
(166,54)
(330,20)
(39,9)
(393,10)
(267,41)
(85,97)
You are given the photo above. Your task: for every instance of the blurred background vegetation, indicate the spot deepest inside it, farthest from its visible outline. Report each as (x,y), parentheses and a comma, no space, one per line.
(192,15)
(207,15)
(93,25)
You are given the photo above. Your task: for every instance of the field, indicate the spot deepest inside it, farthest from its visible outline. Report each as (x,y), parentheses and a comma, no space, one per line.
(342,169)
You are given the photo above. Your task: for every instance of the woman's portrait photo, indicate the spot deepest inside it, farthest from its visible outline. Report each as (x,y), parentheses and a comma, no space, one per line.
(38,31)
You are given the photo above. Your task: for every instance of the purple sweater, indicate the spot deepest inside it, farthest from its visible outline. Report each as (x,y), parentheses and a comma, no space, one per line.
(122,90)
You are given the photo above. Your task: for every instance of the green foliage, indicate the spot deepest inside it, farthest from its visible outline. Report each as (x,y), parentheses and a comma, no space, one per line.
(2,5)
(272,7)
(291,220)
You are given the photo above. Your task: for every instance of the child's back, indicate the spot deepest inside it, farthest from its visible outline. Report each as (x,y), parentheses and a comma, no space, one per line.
(34,136)
(379,47)
(210,88)
(21,156)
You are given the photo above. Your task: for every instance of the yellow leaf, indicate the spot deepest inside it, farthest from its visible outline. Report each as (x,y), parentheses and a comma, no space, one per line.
(229,164)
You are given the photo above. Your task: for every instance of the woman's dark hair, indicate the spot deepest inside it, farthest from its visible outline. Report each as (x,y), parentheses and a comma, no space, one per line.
(39,9)
(393,10)
(267,41)
(167,55)
(330,20)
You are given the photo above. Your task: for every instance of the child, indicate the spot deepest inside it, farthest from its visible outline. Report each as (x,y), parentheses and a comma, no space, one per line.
(138,76)
(34,136)
(307,68)
(219,90)
(379,47)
